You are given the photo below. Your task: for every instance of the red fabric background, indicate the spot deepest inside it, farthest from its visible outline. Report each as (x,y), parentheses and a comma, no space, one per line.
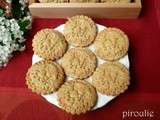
(18,103)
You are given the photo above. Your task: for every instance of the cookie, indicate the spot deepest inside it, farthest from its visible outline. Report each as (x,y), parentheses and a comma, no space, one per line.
(54,1)
(77,96)
(45,77)
(80,30)
(84,1)
(111,44)
(49,44)
(79,62)
(116,1)
(111,78)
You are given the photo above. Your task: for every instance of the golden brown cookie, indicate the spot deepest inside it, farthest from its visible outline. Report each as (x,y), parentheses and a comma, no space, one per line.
(84,1)
(111,78)
(111,44)
(79,62)
(77,96)
(54,1)
(45,77)
(80,30)
(49,44)
(116,1)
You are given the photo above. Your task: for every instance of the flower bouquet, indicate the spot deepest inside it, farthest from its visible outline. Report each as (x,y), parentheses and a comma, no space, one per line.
(15,21)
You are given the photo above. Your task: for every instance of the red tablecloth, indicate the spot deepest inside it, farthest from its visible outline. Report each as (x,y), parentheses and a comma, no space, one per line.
(18,103)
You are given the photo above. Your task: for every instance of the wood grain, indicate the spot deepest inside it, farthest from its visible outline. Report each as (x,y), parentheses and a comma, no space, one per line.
(97,10)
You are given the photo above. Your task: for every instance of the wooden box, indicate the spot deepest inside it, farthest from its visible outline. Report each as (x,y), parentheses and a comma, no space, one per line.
(97,10)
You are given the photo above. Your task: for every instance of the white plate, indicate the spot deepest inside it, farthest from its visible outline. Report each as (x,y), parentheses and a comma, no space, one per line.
(102,99)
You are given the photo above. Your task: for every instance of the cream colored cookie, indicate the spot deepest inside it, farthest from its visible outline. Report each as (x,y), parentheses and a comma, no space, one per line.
(79,63)
(111,44)
(45,77)
(49,44)
(111,78)
(116,1)
(84,1)
(77,96)
(54,1)
(80,30)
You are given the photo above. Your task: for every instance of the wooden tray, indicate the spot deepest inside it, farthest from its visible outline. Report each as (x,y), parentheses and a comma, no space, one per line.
(97,10)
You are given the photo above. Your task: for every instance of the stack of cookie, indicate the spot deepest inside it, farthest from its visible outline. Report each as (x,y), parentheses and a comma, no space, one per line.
(72,68)
(84,1)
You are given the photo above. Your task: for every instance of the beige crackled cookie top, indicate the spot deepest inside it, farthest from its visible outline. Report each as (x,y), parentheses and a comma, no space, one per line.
(111,78)
(77,96)
(79,63)
(80,30)
(111,44)
(45,77)
(116,1)
(84,1)
(49,44)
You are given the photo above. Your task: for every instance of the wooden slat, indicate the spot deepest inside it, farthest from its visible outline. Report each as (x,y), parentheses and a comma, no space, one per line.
(102,10)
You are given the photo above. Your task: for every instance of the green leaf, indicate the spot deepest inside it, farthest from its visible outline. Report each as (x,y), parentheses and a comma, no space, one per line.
(23,25)
(16,9)
(1,12)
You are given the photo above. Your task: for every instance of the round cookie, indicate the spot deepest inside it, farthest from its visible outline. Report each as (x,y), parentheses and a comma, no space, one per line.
(45,77)
(84,1)
(79,62)
(80,30)
(111,44)
(116,1)
(49,44)
(111,78)
(77,96)
(54,1)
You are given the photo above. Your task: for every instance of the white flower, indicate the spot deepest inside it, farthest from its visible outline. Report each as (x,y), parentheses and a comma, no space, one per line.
(10,38)
(9,1)
(23,2)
